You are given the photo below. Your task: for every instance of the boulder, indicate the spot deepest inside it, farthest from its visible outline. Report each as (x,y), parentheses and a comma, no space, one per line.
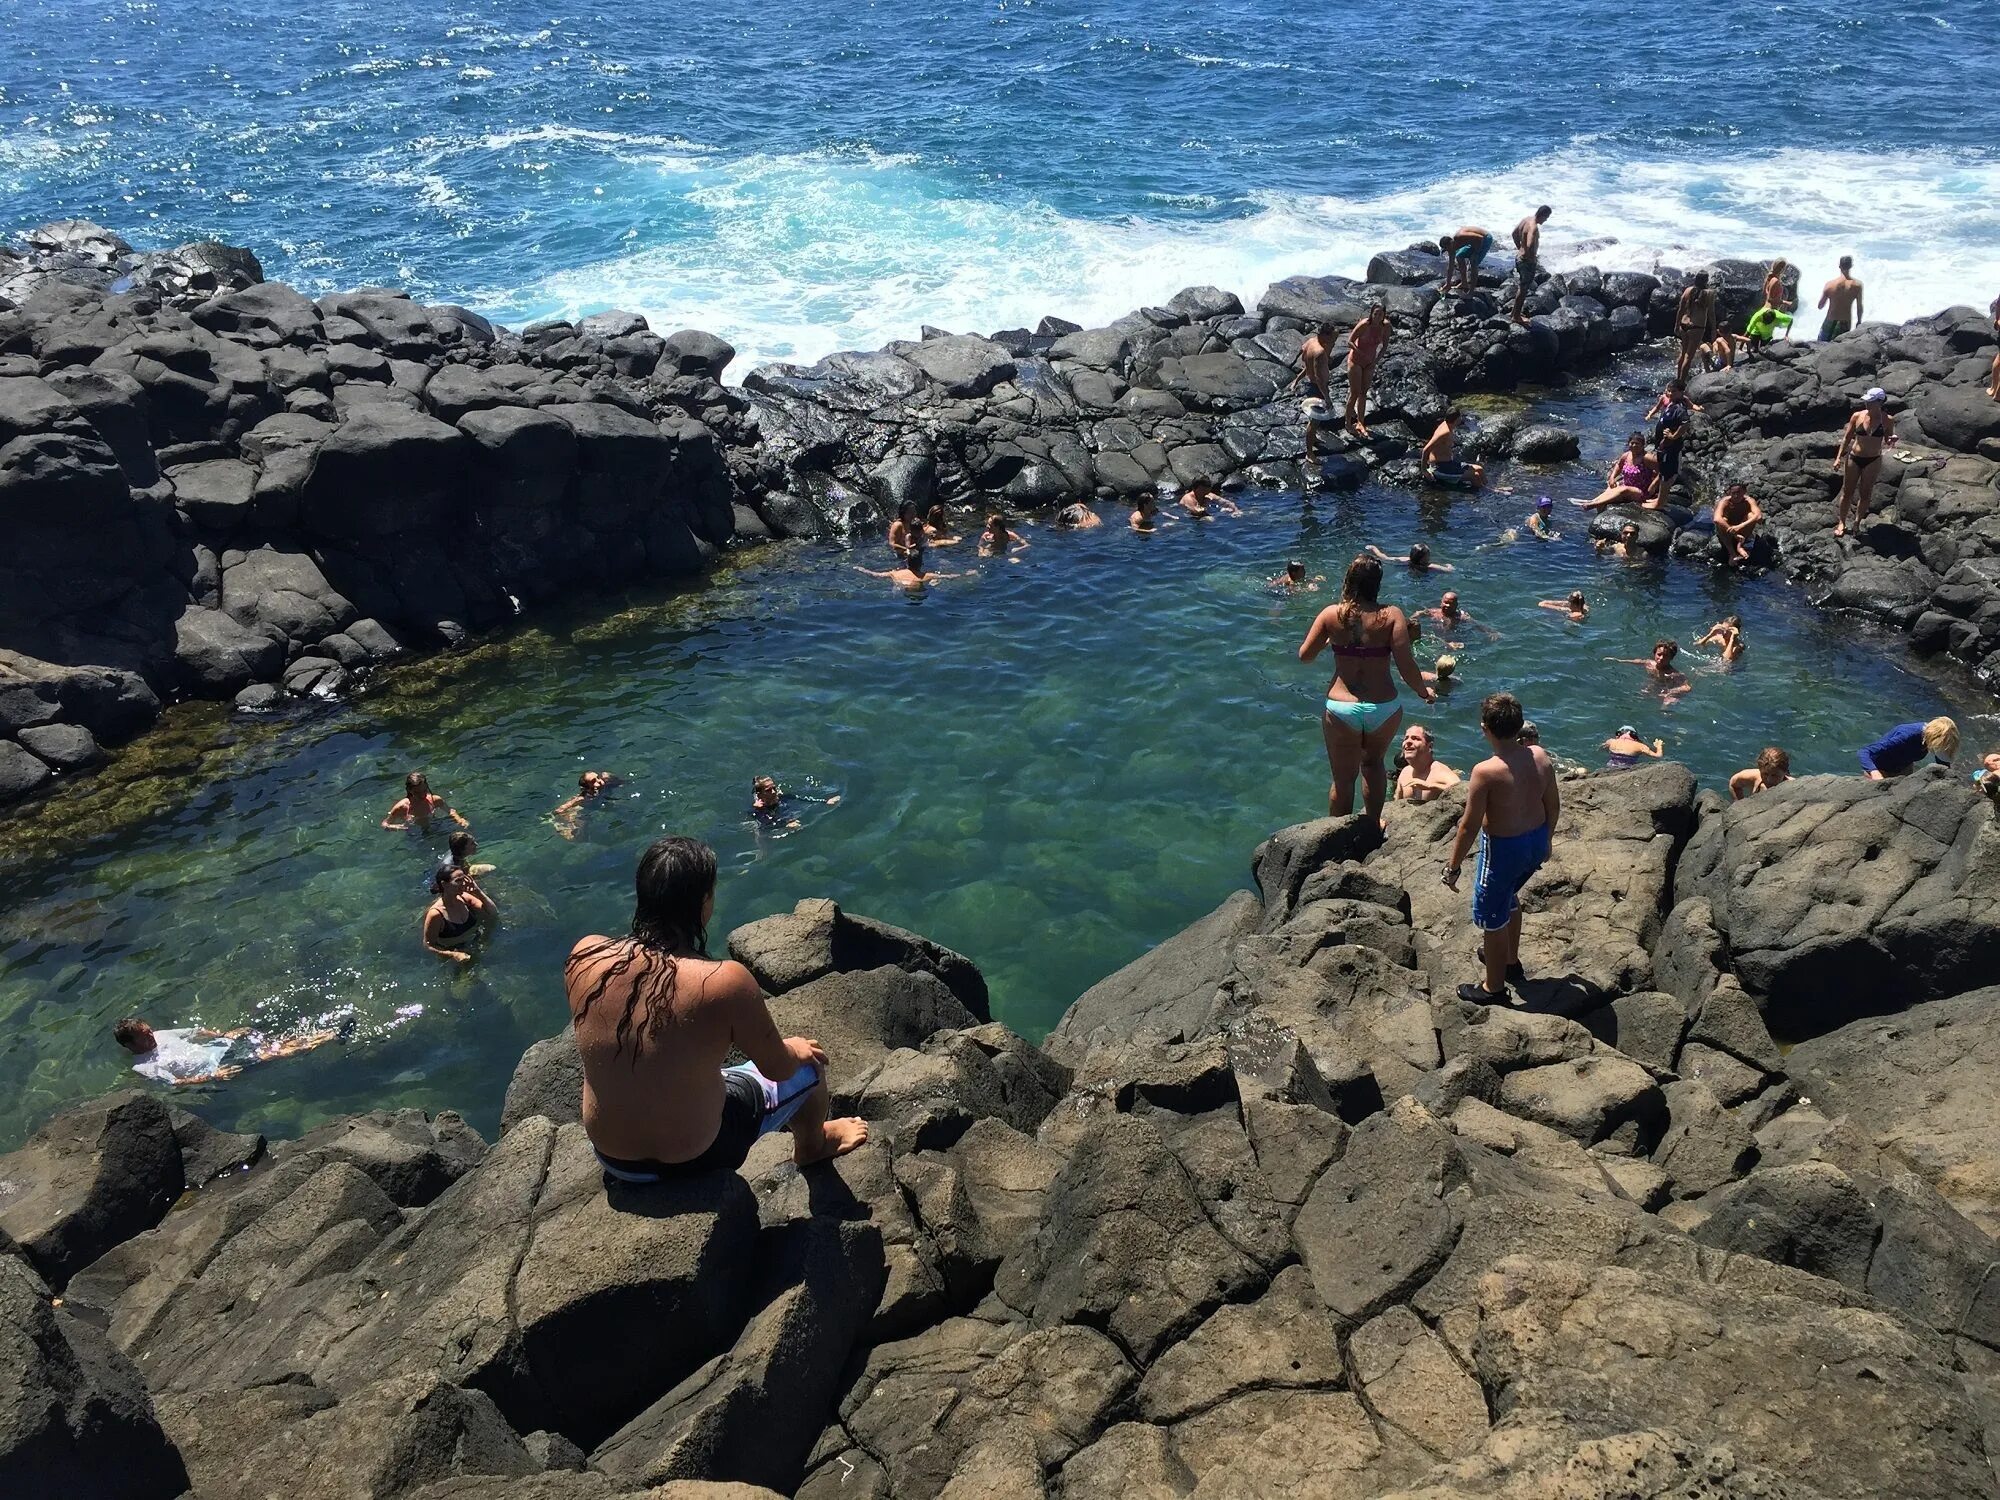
(21,772)
(411,1156)
(385,472)
(963,364)
(817,938)
(216,655)
(1840,897)
(66,747)
(548,1081)
(75,1418)
(262,315)
(92,1177)
(693,352)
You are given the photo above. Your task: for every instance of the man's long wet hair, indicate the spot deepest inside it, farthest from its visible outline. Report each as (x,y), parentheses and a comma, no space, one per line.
(676,877)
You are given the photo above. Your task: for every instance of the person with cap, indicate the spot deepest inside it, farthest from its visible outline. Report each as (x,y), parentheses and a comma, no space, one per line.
(458,910)
(1858,459)
(1903,747)
(1625,749)
(1538,523)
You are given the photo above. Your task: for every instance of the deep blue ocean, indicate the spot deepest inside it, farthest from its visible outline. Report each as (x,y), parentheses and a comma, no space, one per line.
(803,177)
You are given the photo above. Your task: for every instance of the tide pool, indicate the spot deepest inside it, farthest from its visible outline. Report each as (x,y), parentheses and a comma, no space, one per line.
(1049,763)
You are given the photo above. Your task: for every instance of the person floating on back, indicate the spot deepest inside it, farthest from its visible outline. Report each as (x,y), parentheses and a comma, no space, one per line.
(1773,768)
(1512,806)
(419,805)
(655,1020)
(1633,479)
(195,1054)
(1903,747)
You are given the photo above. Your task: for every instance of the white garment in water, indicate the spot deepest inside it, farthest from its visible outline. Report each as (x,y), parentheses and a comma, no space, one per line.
(179,1055)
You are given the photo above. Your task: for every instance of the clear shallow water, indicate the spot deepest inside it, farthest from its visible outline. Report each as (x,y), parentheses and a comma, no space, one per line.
(801,180)
(1049,765)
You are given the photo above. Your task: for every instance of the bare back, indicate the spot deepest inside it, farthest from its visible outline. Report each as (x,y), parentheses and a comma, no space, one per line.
(1517,782)
(1838,296)
(656,1094)
(1381,634)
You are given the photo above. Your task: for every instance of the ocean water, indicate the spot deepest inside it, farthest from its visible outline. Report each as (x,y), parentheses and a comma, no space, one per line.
(801,178)
(1049,764)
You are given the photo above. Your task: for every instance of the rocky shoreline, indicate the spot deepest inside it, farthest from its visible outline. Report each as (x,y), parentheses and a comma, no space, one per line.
(216,488)
(1270,1211)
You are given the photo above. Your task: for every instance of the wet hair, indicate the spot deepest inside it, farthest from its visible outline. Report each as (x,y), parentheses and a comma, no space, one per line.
(1363,583)
(460,844)
(1420,552)
(1639,438)
(416,785)
(1846,264)
(1543,212)
(1672,648)
(1773,761)
(130,1032)
(1530,734)
(1453,416)
(1700,279)
(1444,243)
(1447,664)
(1577,601)
(996,519)
(936,512)
(1295,570)
(1630,528)
(1735,620)
(1500,716)
(1418,728)
(676,877)
(1941,738)
(1778,266)
(907,511)
(441,875)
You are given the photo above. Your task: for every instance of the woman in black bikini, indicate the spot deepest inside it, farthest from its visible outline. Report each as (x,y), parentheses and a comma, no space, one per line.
(1858,461)
(1362,715)
(460,909)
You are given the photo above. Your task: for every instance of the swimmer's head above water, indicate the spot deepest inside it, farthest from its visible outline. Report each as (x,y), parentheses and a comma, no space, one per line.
(134,1035)
(1295,571)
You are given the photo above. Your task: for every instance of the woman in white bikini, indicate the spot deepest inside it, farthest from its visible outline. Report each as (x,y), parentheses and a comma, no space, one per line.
(1362,714)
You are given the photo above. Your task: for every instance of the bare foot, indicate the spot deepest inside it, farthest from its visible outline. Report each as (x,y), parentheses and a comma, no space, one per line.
(837,1138)
(1360,430)
(1840,528)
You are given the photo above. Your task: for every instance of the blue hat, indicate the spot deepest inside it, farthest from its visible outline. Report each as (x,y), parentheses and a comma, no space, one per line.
(1545,503)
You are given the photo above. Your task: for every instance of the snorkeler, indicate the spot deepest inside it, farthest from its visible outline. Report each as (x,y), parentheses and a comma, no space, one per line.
(1441,462)
(196,1054)
(419,805)
(912,574)
(589,787)
(1660,668)
(1294,577)
(1726,635)
(768,803)
(997,539)
(459,909)
(1575,607)
(1418,558)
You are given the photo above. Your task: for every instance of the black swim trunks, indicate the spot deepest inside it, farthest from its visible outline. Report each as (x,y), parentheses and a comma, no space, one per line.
(752,1106)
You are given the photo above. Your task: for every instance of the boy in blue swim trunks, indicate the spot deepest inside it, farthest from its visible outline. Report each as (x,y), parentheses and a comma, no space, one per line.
(1512,805)
(1464,253)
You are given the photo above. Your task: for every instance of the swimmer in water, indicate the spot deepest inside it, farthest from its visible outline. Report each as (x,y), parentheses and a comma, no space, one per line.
(1660,669)
(1449,613)
(997,540)
(198,1054)
(1626,546)
(1077,517)
(768,803)
(1726,635)
(1418,558)
(1146,513)
(1445,678)
(589,787)
(1773,768)
(1538,523)
(1575,607)
(906,531)
(419,805)
(463,846)
(937,528)
(1294,577)
(911,575)
(1626,749)
(458,911)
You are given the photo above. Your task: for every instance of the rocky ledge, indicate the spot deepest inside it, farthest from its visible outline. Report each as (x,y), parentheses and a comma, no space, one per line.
(213,486)
(1270,1212)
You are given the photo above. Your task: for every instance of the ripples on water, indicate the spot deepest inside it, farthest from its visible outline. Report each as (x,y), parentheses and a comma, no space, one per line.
(1050,766)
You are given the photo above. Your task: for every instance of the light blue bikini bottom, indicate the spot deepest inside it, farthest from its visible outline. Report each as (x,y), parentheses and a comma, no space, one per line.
(1363,718)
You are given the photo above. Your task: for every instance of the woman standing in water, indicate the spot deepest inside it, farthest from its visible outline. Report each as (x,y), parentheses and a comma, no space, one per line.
(419,805)
(460,910)
(1362,716)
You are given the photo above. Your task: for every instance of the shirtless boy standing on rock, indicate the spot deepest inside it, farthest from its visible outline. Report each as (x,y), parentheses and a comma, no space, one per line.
(1841,298)
(1512,805)
(1316,374)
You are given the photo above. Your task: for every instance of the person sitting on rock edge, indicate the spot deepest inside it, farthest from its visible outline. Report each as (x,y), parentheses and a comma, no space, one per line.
(1422,776)
(1773,768)
(1441,461)
(1737,516)
(1633,479)
(1904,746)
(655,1020)
(419,805)
(1512,806)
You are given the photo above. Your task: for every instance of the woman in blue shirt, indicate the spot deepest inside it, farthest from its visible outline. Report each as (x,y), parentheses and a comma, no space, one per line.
(1906,744)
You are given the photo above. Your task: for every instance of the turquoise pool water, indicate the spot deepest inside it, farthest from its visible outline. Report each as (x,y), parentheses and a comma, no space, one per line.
(1049,765)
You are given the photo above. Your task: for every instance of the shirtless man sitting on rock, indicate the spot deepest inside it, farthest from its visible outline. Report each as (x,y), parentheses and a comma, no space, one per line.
(655,1019)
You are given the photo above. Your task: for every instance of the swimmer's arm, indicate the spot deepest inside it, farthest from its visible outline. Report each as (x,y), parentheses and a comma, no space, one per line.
(431,917)
(1385,557)
(1659,748)
(399,815)
(456,817)
(218,1075)
(1561,604)
(1679,690)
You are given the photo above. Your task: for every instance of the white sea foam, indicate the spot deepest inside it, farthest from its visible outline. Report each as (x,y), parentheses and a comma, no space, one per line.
(792,257)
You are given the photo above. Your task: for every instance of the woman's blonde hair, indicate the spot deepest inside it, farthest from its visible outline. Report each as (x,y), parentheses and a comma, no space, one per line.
(1941,738)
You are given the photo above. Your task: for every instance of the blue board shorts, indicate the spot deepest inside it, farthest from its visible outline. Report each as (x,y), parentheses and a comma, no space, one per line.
(752,1106)
(1499,870)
